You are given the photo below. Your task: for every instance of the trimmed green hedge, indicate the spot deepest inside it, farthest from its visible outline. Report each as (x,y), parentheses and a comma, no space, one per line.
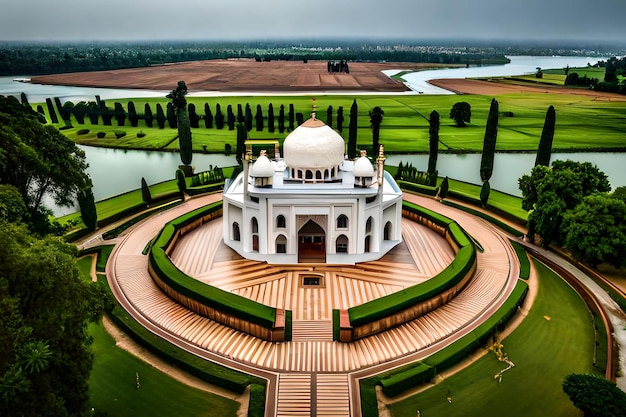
(417,188)
(410,376)
(102,255)
(524,263)
(393,303)
(504,226)
(232,304)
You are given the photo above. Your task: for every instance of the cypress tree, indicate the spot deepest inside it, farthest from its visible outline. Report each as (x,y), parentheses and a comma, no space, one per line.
(489,142)
(160,117)
(484,193)
(182,184)
(25,100)
(443,189)
(230,117)
(248,117)
(292,116)
(146,196)
(340,118)
(53,114)
(376,118)
(219,117)
(544,151)
(281,119)
(433,136)
(208,116)
(193,116)
(240,116)
(179,105)
(352,130)
(329,116)
(259,118)
(171,116)
(88,212)
(270,118)
(132,114)
(242,135)
(120,114)
(147,115)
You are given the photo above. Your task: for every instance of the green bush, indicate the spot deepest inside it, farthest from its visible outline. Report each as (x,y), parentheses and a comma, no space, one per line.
(82,132)
(101,135)
(119,134)
(524,263)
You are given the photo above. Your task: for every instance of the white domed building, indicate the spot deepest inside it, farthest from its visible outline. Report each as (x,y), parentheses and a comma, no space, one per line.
(314,205)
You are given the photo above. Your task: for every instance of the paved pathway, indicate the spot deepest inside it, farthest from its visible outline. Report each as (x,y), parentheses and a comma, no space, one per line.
(301,371)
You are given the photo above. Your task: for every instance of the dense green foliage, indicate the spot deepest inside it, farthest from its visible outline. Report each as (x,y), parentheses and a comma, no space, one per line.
(461,113)
(38,160)
(544,152)
(548,193)
(595,230)
(595,396)
(44,347)
(489,142)
(485,190)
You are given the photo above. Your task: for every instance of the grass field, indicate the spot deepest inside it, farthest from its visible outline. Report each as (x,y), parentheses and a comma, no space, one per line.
(113,389)
(554,340)
(582,122)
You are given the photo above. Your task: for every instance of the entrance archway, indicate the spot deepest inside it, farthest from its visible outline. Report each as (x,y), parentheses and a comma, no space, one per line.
(311,243)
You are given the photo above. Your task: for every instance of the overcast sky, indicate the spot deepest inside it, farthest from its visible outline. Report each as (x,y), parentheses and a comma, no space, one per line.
(86,20)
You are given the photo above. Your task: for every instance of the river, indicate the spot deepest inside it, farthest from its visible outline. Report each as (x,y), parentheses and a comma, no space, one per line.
(116,171)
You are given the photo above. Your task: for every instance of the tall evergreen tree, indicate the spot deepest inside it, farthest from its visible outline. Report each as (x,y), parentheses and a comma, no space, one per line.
(270,118)
(147,115)
(352,130)
(179,104)
(230,117)
(240,117)
(87,205)
(132,114)
(242,135)
(376,118)
(340,119)
(219,117)
(281,119)
(248,117)
(433,136)
(146,196)
(329,116)
(489,142)
(194,119)
(208,116)
(259,118)
(171,116)
(160,116)
(120,114)
(544,151)
(292,117)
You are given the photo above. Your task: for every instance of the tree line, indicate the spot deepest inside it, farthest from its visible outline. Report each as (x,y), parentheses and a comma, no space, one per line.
(47,58)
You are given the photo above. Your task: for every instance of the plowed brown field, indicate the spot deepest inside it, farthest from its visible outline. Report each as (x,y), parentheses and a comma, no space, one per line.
(243,75)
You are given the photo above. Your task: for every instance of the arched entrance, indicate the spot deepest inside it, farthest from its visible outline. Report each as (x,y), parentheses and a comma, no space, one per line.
(311,243)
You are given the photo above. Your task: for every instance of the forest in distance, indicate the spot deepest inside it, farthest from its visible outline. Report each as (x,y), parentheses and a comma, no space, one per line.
(22,58)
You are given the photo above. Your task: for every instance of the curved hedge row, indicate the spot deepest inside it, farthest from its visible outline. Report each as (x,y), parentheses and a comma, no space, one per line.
(225,307)
(423,371)
(405,305)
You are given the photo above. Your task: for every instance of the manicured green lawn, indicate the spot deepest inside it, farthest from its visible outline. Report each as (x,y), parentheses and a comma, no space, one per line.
(556,339)
(582,122)
(112,387)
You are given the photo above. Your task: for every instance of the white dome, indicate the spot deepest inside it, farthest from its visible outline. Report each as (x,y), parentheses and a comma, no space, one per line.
(262,167)
(363,168)
(313,145)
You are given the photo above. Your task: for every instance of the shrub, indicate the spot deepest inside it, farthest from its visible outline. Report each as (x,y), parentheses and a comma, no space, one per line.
(100,135)
(119,134)
(141,134)
(82,132)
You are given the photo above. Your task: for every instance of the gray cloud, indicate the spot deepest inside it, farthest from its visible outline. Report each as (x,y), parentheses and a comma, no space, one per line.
(269,19)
